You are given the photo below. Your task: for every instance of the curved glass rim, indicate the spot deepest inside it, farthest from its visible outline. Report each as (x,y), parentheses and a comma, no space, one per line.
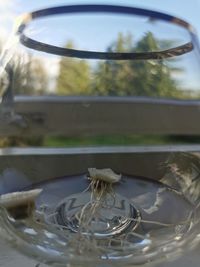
(114,9)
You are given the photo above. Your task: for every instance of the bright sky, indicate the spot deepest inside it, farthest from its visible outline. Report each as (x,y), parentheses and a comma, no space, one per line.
(188,10)
(10,9)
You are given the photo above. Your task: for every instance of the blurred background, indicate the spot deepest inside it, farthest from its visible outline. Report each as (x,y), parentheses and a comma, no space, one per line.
(38,74)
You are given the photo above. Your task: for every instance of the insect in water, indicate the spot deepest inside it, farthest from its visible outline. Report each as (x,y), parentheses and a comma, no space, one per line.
(20,205)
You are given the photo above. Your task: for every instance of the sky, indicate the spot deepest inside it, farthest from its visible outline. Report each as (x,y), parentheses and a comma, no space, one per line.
(185,9)
(10,9)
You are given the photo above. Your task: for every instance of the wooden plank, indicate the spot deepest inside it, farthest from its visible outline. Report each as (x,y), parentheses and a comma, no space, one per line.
(89,116)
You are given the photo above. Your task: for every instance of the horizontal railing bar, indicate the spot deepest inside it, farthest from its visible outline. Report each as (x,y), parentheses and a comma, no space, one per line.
(30,151)
(100,99)
(30,166)
(90,116)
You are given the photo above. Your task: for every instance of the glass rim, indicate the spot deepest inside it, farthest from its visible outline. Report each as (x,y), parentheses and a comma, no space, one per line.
(31,43)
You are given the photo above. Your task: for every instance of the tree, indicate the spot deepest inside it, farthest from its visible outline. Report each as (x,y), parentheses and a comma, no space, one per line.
(30,77)
(74,76)
(113,77)
(135,77)
(152,77)
(25,75)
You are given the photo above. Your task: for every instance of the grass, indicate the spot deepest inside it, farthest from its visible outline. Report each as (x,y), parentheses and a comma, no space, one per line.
(114,140)
(110,140)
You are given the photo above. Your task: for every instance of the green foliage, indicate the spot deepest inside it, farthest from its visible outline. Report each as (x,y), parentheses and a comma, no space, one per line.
(104,140)
(137,77)
(30,77)
(114,77)
(74,76)
(120,140)
(25,75)
(123,77)
(20,141)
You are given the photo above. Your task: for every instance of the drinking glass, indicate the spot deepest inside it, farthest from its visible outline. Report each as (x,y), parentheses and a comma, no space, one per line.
(100,77)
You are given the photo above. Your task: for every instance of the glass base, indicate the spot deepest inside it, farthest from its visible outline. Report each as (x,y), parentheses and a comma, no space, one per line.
(115,217)
(142,220)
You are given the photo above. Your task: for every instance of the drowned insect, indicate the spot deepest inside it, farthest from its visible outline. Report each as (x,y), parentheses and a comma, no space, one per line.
(20,205)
